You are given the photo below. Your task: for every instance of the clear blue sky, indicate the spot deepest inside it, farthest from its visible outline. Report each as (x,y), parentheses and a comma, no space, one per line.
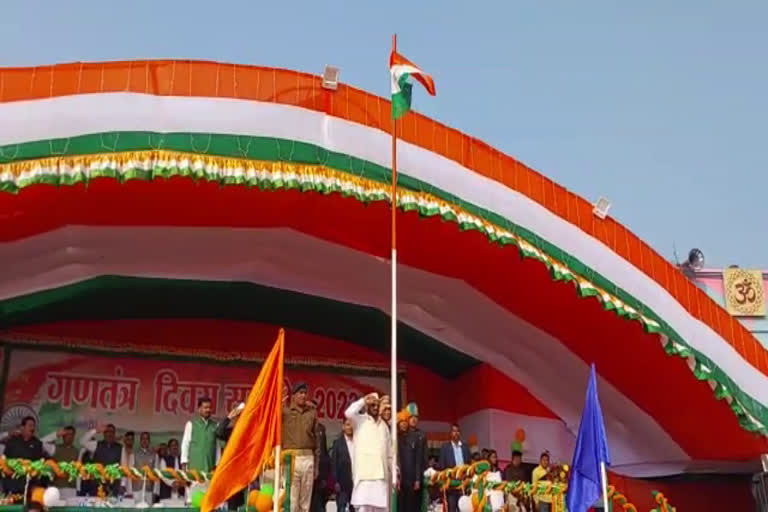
(662,106)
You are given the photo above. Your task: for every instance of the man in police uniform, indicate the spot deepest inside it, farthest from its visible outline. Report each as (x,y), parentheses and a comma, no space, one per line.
(413,459)
(300,436)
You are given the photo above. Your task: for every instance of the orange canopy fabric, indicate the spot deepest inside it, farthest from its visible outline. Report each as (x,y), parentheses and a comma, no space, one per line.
(256,433)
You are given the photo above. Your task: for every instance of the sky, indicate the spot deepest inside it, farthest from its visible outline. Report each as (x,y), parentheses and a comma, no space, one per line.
(662,107)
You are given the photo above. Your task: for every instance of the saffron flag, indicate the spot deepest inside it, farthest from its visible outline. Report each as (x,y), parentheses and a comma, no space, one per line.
(255,435)
(585,482)
(400,69)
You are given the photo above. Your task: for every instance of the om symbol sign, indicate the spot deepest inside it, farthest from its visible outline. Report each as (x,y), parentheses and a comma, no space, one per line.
(745,292)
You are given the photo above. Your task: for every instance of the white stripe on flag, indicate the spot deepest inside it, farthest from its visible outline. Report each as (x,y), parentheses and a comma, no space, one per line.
(399,70)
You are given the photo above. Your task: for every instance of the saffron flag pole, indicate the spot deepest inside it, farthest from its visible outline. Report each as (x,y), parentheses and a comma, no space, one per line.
(590,456)
(400,70)
(255,436)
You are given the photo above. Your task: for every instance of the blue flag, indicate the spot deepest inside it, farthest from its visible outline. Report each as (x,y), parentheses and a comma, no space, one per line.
(585,483)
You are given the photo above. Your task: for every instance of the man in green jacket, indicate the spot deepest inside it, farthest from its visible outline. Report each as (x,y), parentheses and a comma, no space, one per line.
(198,446)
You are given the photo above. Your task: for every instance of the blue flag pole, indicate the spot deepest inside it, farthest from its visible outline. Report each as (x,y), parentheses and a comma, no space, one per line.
(590,457)
(604,478)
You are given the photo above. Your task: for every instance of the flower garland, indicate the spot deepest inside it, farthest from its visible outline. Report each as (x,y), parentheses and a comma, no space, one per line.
(663,504)
(461,477)
(19,468)
(616,496)
(11,499)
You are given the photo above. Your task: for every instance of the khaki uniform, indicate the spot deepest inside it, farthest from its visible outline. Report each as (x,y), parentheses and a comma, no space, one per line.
(299,436)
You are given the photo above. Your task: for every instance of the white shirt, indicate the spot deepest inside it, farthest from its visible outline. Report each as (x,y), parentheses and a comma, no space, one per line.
(458,454)
(372,459)
(186,440)
(372,446)
(88,441)
(127,459)
(49,443)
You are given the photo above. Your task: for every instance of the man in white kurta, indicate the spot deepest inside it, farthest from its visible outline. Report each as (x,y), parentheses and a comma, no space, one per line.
(372,457)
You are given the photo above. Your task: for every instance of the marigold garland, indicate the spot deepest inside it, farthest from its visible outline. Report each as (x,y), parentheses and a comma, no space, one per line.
(461,477)
(662,502)
(21,468)
(616,496)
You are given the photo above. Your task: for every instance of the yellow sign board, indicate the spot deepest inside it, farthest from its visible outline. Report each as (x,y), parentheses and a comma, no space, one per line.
(744,292)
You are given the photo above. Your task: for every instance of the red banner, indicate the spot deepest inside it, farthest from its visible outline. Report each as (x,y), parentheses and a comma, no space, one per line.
(155,395)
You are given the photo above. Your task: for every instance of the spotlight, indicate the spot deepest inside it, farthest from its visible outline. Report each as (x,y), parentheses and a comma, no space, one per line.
(331,78)
(601,207)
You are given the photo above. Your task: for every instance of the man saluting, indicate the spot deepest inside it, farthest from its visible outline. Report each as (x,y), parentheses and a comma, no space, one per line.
(300,436)
(198,444)
(372,456)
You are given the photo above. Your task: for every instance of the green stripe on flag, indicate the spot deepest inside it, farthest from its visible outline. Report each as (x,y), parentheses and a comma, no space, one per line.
(401,101)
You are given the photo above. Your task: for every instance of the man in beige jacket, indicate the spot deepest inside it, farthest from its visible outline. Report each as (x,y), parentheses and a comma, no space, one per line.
(299,435)
(372,457)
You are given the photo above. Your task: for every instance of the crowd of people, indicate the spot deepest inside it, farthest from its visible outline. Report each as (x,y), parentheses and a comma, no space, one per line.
(361,459)
(356,471)
(60,446)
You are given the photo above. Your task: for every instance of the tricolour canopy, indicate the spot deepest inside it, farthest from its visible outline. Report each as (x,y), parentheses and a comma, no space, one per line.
(198,189)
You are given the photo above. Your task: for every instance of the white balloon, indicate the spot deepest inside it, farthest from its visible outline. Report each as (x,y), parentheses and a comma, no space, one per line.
(496,499)
(465,504)
(51,497)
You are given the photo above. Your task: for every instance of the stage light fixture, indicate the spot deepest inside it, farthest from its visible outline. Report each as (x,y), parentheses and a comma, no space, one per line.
(331,78)
(601,208)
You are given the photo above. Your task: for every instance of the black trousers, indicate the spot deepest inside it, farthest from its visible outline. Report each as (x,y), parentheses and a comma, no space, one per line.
(342,501)
(408,500)
(237,500)
(318,501)
(452,497)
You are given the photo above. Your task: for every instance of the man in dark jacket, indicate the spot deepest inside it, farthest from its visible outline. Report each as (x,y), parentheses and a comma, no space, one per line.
(515,472)
(341,466)
(23,444)
(223,432)
(319,497)
(107,451)
(171,458)
(454,453)
(413,459)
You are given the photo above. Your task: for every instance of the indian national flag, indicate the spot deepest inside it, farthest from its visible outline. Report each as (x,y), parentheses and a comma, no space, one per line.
(400,69)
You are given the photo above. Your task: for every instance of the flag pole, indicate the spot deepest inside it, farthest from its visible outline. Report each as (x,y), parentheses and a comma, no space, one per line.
(604,478)
(278,451)
(393,307)
(276,486)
